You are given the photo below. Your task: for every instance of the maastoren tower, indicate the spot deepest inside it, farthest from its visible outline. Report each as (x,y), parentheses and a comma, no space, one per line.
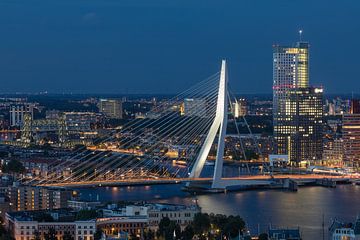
(297,108)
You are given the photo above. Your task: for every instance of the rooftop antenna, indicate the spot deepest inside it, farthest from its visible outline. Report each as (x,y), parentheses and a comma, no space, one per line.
(300,34)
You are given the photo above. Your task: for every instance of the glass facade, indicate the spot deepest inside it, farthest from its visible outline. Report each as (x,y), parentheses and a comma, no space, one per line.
(297,108)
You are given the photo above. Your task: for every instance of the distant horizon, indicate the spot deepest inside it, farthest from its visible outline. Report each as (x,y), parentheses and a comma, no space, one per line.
(9,95)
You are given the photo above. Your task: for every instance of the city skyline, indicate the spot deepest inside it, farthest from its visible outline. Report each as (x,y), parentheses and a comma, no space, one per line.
(179,120)
(136,47)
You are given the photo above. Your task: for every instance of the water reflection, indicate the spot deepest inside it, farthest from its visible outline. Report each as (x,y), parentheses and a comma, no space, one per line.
(291,209)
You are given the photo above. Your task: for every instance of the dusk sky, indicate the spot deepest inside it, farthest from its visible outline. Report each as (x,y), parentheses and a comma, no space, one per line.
(165,46)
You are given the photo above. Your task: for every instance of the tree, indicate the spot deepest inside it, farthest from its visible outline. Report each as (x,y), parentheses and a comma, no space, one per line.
(134,237)
(234,226)
(149,235)
(43,217)
(201,223)
(37,235)
(263,236)
(163,225)
(4,234)
(98,234)
(50,235)
(188,232)
(86,215)
(14,166)
(167,229)
(67,236)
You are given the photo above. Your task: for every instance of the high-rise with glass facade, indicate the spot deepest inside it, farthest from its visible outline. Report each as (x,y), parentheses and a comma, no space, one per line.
(351,134)
(297,108)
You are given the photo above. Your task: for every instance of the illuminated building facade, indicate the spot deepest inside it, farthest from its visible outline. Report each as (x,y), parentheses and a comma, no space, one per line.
(333,152)
(240,108)
(305,109)
(194,107)
(17,113)
(111,108)
(25,198)
(297,108)
(351,135)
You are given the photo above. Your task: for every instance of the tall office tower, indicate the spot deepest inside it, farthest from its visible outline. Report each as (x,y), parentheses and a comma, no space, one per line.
(351,135)
(305,109)
(297,108)
(17,113)
(112,108)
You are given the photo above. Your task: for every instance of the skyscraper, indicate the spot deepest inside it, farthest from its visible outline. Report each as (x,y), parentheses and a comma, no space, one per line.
(351,134)
(306,114)
(297,108)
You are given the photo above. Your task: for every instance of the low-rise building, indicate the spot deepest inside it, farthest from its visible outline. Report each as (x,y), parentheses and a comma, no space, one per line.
(154,212)
(181,214)
(24,225)
(284,234)
(340,231)
(131,225)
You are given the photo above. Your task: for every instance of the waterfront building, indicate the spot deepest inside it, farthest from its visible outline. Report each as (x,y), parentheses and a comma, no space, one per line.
(181,214)
(351,135)
(284,234)
(18,111)
(111,108)
(297,108)
(341,231)
(131,225)
(24,198)
(333,152)
(153,213)
(24,225)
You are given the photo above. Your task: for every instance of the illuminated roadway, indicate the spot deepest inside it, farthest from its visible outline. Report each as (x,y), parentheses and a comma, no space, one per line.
(144,181)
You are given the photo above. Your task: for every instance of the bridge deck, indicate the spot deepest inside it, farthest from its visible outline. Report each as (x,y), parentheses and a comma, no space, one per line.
(151,181)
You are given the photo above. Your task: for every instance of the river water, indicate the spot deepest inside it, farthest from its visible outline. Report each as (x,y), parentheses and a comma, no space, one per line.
(259,208)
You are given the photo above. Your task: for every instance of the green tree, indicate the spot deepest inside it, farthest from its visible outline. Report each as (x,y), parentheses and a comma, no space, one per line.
(263,236)
(188,232)
(14,166)
(234,226)
(4,234)
(98,234)
(67,236)
(37,235)
(201,223)
(167,229)
(50,235)
(43,217)
(86,214)
(134,237)
(149,235)
(163,226)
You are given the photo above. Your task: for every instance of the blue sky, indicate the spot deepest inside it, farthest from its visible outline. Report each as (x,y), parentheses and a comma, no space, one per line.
(165,46)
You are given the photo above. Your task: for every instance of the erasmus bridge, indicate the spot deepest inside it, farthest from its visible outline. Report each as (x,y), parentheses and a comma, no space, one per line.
(171,144)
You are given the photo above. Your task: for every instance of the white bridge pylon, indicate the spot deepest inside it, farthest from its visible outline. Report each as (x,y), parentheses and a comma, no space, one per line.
(218,127)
